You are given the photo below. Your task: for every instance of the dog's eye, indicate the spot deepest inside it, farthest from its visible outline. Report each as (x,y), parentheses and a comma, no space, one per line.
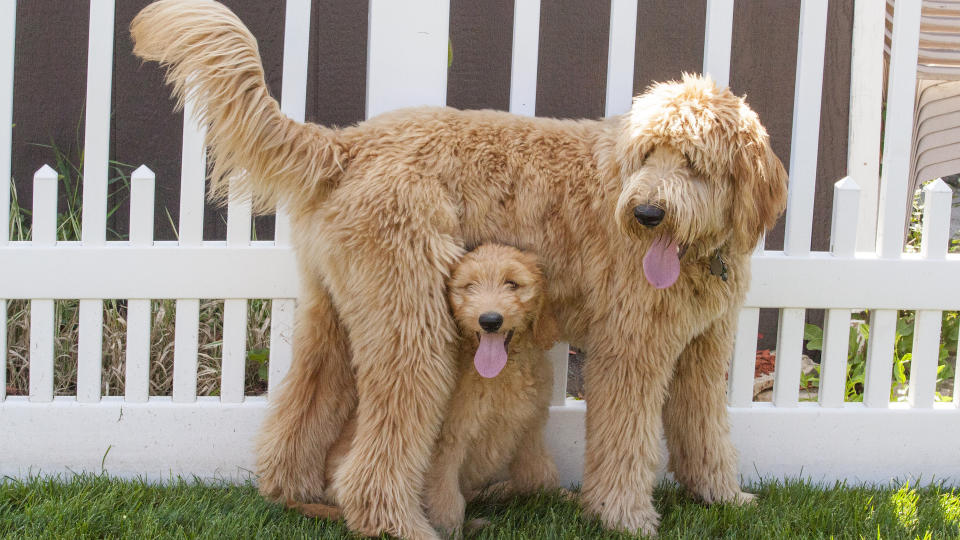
(647,155)
(686,156)
(513,285)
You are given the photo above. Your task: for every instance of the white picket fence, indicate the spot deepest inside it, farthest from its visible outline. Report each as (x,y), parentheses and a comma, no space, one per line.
(407,64)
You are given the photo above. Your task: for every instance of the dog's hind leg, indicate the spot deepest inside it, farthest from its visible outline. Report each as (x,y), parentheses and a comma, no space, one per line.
(702,456)
(308,411)
(387,272)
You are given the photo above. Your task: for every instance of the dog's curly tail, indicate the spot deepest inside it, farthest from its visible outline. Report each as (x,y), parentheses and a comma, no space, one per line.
(212,59)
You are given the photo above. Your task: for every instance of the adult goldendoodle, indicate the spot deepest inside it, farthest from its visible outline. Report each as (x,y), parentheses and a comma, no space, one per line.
(644,224)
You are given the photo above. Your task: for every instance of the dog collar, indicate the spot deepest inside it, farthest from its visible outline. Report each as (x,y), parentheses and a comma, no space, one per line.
(718,266)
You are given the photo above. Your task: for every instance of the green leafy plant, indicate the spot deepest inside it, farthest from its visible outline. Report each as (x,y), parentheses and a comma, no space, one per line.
(902,353)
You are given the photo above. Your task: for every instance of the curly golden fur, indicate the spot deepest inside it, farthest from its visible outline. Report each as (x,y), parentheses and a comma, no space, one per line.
(382,210)
(493,427)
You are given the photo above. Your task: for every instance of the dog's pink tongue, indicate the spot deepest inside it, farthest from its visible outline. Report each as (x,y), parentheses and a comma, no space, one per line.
(661,264)
(491,355)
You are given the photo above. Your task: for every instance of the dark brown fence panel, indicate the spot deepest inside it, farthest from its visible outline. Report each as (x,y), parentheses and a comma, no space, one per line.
(571,80)
(669,40)
(481,38)
(50,73)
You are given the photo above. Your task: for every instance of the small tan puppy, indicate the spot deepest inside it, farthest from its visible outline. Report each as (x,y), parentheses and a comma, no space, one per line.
(492,435)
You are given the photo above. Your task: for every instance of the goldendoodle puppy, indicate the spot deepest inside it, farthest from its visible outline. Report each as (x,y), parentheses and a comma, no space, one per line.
(493,426)
(644,225)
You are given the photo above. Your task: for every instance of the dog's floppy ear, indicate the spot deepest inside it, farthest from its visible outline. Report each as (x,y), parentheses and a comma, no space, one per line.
(546,330)
(760,183)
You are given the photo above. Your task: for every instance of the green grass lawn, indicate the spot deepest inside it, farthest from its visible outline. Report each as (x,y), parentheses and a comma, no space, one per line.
(100,507)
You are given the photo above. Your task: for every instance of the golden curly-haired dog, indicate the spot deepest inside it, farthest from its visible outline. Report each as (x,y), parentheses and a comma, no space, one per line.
(636,219)
(493,426)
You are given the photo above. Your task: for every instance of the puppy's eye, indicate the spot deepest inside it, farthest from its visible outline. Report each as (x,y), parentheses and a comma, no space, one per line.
(647,155)
(686,156)
(513,285)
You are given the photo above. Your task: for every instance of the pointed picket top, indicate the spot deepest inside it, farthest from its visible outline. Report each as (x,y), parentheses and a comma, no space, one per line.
(142,173)
(935,234)
(843,229)
(938,186)
(45,173)
(847,183)
(142,184)
(44,228)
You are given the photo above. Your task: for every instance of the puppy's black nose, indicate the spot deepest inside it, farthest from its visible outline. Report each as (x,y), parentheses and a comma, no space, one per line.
(491,321)
(648,216)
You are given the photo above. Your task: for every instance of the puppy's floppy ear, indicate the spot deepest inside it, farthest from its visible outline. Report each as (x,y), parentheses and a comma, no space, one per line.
(546,330)
(760,183)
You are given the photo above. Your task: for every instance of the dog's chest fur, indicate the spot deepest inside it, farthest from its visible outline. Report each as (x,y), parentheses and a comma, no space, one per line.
(493,414)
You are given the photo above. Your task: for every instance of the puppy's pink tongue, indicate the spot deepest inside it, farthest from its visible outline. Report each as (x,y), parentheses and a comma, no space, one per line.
(661,264)
(491,355)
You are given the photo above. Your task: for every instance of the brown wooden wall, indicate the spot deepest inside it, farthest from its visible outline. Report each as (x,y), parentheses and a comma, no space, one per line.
(50,73)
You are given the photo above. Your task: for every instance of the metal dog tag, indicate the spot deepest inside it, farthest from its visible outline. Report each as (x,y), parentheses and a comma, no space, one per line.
(718,267)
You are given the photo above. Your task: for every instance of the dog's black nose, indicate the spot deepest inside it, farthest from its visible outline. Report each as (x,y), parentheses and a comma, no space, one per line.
(491,321)
(648,216)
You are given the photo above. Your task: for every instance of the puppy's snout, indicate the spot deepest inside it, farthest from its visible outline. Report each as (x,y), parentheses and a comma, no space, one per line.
(647,215)
(491,321)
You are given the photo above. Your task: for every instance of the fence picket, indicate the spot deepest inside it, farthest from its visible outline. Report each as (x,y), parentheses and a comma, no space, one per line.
(560,357)
(137,381)
(407,54)
(97,122)
(89,350)
(281,339)
(185,339)
(935,237)
(523,63)
(235,310)
(876,387)
(786,371)
(3,350)
(620,53)
(8,17)
(44,233)
(836,325)
(190,233)
(740,376)
(866,103)
(806,127)
(296,44)
(717,39)
(898,132)
(95,172)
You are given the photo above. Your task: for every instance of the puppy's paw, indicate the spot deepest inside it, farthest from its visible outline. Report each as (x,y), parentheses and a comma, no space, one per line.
(445,509)
(742,498)
(732,495)
(637,519)
(476,524)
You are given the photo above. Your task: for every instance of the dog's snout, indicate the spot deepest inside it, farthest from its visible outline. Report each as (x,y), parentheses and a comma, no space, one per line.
(647,215)
(491,321)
